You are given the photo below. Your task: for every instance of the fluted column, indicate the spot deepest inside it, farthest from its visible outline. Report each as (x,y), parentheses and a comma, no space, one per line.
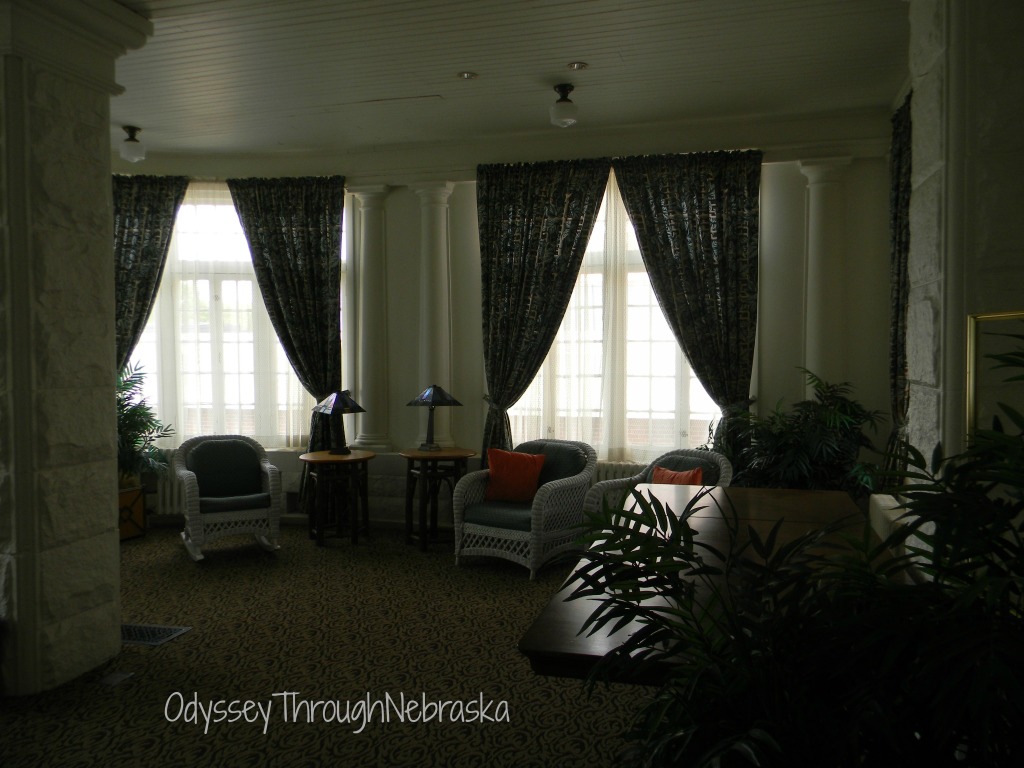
(824,343)
(371,310)
(435,304)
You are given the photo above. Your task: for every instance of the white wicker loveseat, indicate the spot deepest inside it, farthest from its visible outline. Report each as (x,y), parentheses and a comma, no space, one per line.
(715,468)
(229,487)
(529,533)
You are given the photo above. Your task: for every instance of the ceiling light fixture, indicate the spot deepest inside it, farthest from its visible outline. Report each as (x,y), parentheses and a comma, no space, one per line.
(468,75)
(563,111)
(576,66)
(132,149)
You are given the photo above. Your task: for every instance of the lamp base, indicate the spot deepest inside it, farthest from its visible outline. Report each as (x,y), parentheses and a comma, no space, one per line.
(430,447)
(343,451)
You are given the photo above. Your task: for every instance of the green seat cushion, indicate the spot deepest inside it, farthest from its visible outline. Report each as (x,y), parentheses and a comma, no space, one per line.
(499,514)
(225,467)
(234,503)
(709,469)
(561,460)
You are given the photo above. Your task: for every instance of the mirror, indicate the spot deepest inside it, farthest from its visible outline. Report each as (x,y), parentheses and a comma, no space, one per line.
(987,334)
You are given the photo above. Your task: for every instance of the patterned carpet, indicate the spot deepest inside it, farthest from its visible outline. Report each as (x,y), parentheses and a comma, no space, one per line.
(322,634)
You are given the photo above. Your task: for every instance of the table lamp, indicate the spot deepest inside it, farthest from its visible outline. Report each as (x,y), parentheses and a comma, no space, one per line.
(431,397)
(334,405)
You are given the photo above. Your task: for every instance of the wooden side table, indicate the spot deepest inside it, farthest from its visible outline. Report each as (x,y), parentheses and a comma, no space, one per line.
(349,474)
(446,465)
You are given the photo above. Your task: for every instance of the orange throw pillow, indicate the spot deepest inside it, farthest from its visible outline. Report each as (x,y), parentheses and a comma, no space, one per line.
(513,475)
(683,477)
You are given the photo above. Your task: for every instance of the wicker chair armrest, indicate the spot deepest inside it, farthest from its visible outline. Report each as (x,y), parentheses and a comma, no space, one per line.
(598,491)
(271,482)
(270,476)
(580,481)
(564,493)
(469,490)
(186,478)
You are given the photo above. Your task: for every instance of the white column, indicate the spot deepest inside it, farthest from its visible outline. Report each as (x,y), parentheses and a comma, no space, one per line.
(824,344)
(435,304)
(371,310)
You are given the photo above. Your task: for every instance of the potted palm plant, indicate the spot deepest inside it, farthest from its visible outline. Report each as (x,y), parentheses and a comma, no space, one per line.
(793,654)
(138,429)
(813,445)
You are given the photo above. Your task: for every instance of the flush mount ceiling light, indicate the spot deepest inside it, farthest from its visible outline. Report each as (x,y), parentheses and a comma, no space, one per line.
(468,75)
(132,149)
(563,111)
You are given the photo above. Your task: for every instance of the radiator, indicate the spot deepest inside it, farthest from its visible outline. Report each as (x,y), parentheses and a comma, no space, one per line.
(168,495)
(614,470)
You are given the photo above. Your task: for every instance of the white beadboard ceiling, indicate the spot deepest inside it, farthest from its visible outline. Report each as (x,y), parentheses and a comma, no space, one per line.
(273,76)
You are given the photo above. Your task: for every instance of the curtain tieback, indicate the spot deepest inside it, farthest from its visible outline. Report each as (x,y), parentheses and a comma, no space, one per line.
(493,406)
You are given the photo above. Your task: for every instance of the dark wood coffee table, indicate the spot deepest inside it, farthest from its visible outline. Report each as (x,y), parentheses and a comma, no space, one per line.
(553,643)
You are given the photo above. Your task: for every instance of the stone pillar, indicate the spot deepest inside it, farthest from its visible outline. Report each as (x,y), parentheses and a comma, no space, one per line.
(824,346)
(966,73)
(371,309)
(435,304)
(60,609)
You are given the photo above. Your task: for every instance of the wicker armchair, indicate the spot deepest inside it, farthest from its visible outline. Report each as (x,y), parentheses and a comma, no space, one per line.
(716,470)
(529,533)
(229,487)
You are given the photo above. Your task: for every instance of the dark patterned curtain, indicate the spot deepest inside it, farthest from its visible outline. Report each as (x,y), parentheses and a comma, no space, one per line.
(899,282)
(293,227)
(696,221)
(144,211)
(535,220)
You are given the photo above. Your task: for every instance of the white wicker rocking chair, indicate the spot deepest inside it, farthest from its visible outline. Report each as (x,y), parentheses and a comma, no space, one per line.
(229,487)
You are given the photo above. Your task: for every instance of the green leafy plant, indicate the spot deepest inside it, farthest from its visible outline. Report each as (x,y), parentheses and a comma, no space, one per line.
(830,649)
(814,445)
(138,428)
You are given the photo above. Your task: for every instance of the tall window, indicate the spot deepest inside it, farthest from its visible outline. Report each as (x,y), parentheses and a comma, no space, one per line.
(615,376)
(212,360)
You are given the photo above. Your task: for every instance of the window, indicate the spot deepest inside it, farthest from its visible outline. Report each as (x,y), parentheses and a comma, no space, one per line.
(212,360)
(615,376)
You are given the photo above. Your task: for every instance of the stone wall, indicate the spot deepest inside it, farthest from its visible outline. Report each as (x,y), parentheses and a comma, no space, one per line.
(994,148)
(927,206)
(968,188)
(61,540)
(59,560)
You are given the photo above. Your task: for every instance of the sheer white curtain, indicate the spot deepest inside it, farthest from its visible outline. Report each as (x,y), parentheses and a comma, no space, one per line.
(615,377)
(213,362)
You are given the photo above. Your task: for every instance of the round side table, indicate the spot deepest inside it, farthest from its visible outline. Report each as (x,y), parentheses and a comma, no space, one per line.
(344,472)
(434,468)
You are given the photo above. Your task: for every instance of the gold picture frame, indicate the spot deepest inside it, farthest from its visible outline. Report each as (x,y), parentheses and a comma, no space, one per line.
(986,386)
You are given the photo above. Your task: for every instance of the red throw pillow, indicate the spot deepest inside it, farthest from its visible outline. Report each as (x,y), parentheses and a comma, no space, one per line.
(513,475)
(683,477)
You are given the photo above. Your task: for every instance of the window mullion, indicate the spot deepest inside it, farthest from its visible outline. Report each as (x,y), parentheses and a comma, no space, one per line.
(549,396)
(686,439)
(217,356)
(616,308)
(167,383)
(264,369)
